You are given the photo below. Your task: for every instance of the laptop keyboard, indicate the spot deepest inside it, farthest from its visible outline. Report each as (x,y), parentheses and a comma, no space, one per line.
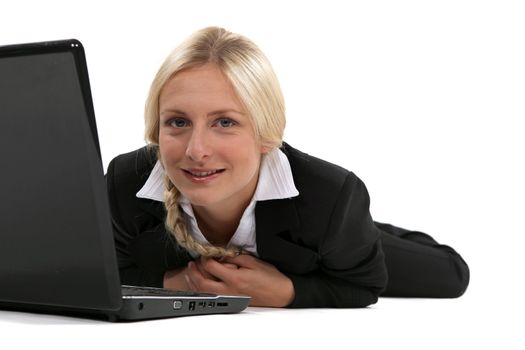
(149,291)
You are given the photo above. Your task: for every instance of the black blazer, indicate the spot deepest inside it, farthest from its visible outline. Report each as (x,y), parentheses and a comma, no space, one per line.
(324,240)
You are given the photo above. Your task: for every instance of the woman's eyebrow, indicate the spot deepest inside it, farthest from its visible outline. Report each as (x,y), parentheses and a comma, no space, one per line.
(175,111)
(213,113)
(222,111)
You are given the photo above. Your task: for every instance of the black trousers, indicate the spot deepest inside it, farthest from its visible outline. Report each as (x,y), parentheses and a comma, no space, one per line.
(418,266)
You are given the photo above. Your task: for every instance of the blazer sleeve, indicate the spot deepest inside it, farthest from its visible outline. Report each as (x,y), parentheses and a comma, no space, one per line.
(125,234)
(351,268)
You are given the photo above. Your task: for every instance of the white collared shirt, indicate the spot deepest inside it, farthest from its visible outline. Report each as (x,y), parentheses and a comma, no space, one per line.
(275,182)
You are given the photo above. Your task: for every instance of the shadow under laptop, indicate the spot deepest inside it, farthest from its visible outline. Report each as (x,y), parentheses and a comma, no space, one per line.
(46,318)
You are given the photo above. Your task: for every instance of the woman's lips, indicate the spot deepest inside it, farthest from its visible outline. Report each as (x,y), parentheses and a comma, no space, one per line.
(202,175)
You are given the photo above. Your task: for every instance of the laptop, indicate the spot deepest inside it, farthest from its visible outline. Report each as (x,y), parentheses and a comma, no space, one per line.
(57,252)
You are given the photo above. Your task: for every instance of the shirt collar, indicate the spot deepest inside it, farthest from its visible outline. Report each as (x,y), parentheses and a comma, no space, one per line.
(275,180)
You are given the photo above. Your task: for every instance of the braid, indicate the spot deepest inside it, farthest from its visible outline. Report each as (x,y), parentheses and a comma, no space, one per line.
(176,226)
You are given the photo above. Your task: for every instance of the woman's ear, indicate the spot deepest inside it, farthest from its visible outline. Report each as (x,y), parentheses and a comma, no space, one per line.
(265,149)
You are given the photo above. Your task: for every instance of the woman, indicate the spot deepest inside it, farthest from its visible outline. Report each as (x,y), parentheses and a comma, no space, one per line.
(217,202)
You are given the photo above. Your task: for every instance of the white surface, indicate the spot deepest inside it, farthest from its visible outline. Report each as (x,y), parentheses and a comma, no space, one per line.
(424,100)
(467,323)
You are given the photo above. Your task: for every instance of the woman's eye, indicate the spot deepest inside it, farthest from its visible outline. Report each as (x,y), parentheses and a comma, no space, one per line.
(178,123)
(225,123)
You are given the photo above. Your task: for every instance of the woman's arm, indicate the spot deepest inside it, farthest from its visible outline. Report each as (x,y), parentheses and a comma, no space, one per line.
(350,268)
(130,273)
(319,290)
(140,239)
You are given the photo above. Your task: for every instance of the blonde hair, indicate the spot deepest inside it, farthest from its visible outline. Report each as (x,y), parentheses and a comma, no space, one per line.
(257,87)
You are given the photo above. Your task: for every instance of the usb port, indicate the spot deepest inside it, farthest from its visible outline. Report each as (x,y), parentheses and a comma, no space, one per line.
(192,305)
(222,304)
(211,304)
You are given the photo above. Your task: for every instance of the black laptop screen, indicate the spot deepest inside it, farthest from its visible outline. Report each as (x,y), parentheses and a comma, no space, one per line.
(54,222)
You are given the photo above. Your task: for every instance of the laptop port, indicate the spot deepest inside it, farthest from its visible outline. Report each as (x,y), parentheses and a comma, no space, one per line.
(222,304)
(192,305)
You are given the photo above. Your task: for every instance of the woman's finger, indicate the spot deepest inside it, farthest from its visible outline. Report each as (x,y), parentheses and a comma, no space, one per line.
(243,260)
(200,282)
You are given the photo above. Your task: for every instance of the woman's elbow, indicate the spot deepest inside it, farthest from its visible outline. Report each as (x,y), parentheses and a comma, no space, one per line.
(459,281)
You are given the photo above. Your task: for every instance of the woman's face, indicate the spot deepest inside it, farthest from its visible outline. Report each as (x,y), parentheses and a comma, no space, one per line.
(207,143)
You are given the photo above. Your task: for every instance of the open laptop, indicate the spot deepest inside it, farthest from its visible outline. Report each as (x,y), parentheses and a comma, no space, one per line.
(57,252)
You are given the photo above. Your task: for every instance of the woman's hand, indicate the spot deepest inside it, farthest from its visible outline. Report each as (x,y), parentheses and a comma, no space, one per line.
(241,275)
(175,279)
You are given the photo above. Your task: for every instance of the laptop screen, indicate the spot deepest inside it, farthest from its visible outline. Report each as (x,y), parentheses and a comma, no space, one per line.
(56,243)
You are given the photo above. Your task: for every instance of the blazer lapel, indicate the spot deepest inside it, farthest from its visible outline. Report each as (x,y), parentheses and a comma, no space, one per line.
(155,248)
(277,225)
(152,207)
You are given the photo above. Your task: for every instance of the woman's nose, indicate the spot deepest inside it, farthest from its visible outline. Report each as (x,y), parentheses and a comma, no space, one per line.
(198,148)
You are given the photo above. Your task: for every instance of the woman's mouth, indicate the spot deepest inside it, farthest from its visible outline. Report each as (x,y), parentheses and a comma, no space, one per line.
(200,175)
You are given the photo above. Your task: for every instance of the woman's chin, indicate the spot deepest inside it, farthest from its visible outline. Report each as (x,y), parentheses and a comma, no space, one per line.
(201,199)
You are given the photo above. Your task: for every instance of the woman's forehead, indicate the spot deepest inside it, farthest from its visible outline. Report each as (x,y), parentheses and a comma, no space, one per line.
(205,85)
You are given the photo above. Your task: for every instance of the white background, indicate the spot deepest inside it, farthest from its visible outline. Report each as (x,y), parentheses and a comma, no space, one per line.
(424,100)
